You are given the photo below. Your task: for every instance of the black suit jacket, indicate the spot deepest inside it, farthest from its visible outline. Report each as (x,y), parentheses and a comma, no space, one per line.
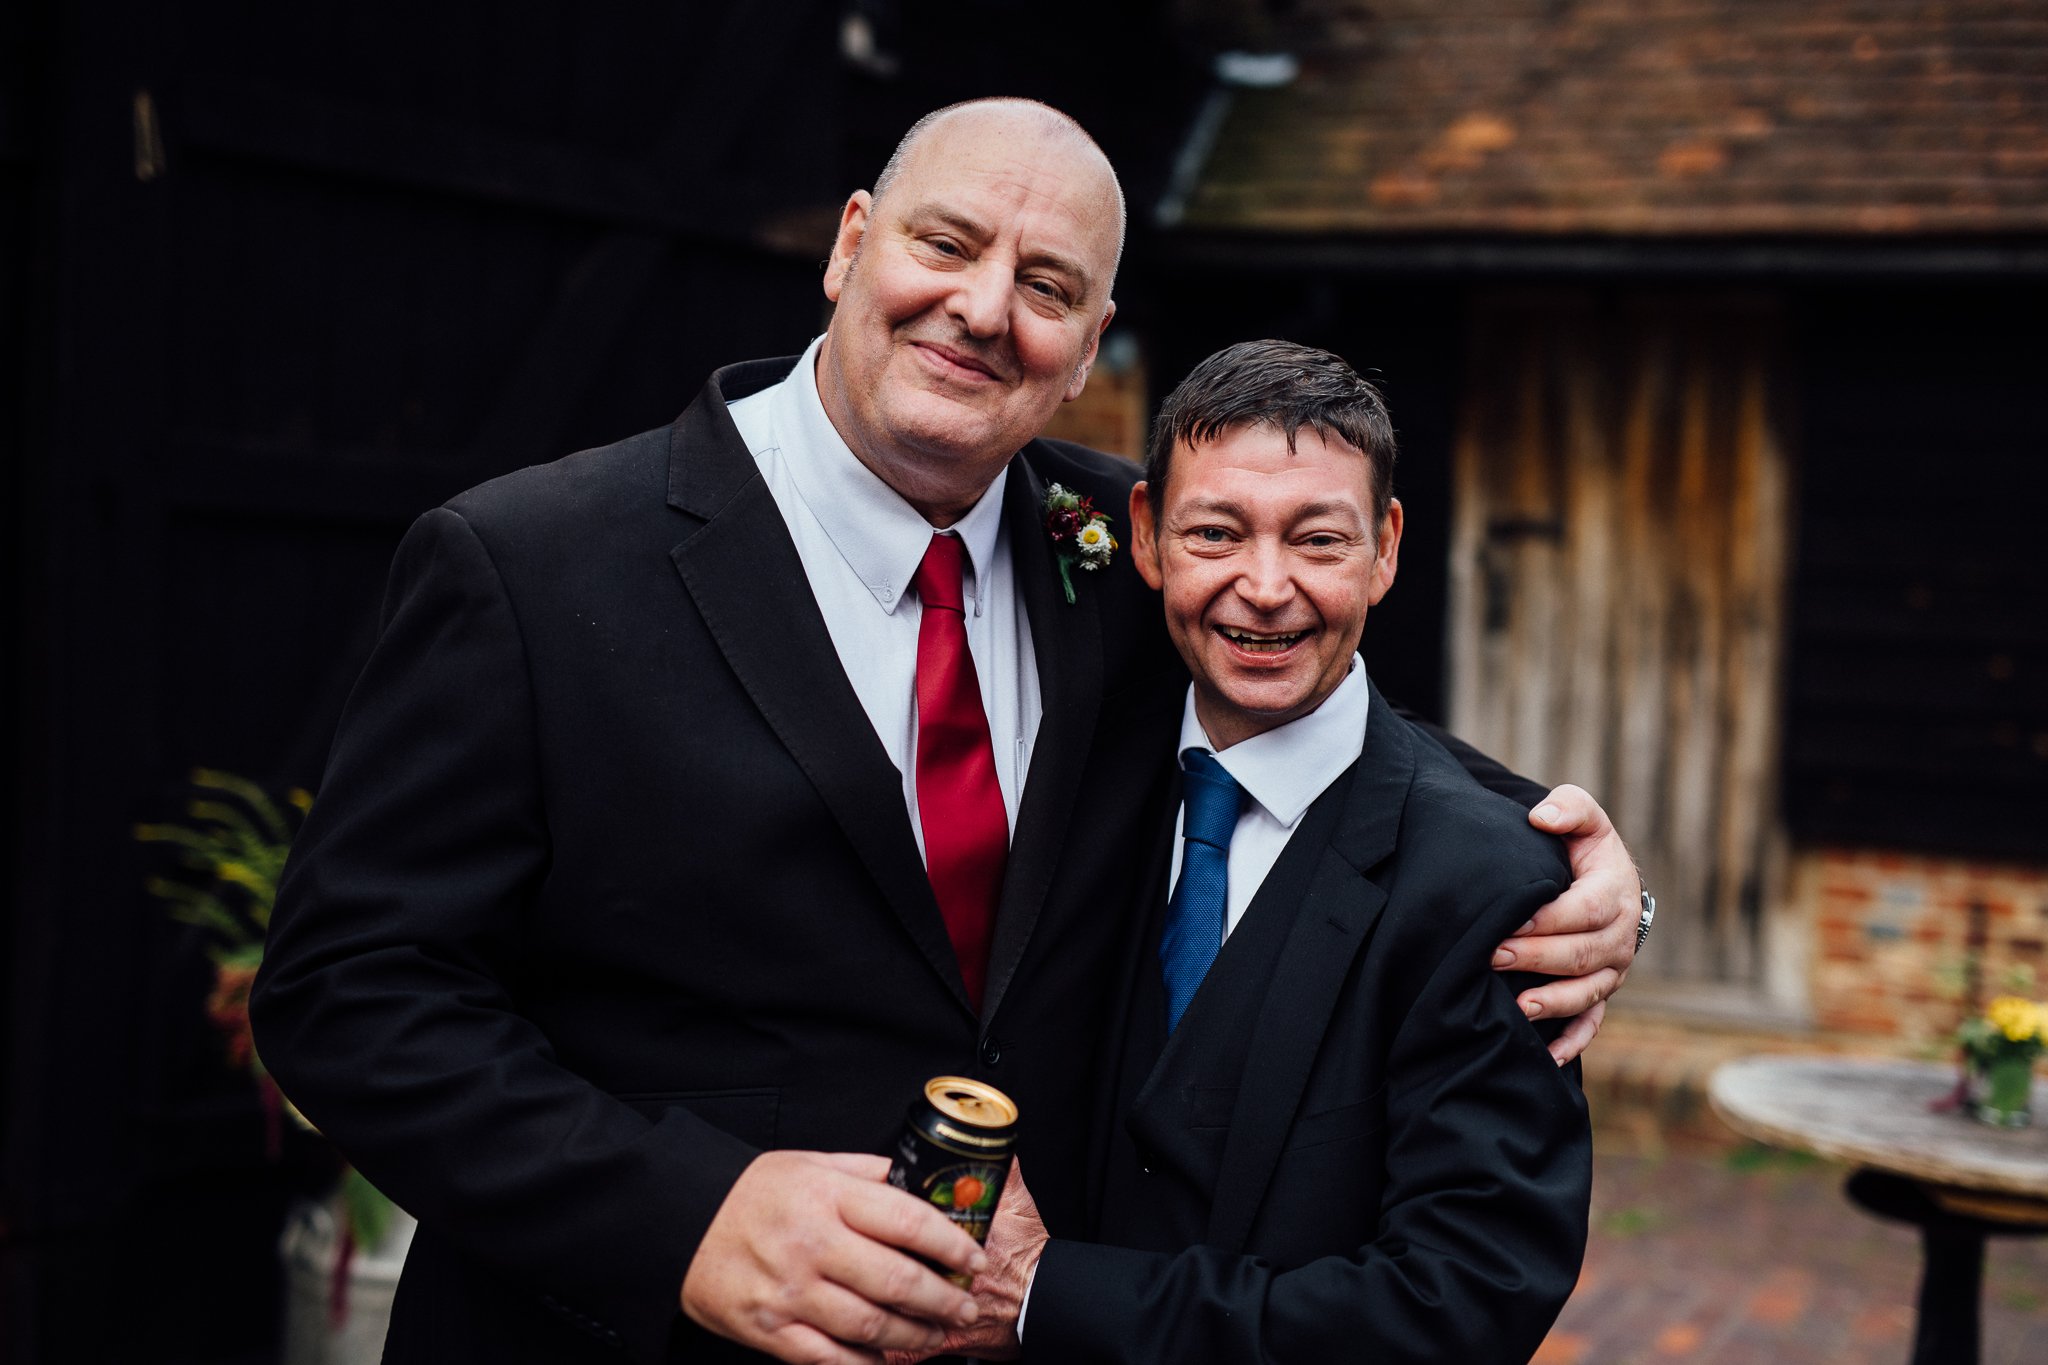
(610,886)
(1353,1147)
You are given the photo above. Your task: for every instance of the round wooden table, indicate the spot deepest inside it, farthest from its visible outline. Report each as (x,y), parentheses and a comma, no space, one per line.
(1956,1179)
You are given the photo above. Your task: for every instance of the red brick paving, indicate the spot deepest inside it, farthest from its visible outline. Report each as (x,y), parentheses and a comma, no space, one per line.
(1759,1260)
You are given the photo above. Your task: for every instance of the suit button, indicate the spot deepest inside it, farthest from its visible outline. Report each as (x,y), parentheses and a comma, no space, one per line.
(991,1052)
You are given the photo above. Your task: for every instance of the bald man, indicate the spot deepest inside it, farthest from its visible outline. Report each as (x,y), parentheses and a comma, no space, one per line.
(708,792)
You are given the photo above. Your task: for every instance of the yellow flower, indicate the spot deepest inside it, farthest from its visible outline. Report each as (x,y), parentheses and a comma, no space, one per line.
(2018,1019)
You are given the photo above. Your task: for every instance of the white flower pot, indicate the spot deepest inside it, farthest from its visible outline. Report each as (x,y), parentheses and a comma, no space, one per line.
(312,1335)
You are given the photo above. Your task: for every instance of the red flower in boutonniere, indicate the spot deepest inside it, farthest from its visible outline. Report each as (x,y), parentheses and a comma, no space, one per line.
(1080,534)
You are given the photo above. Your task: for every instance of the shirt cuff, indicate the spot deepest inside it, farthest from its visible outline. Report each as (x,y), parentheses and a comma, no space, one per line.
(1024,1305)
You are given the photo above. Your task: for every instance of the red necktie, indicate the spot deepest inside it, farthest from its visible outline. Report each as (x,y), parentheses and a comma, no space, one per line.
(966,832)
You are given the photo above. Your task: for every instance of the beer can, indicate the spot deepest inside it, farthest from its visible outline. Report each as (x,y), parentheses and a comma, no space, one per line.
(955,1151)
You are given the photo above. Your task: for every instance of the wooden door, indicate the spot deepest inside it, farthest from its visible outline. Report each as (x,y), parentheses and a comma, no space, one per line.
(1618,552)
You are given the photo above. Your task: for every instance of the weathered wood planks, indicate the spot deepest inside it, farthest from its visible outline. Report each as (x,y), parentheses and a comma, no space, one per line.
(1618,568)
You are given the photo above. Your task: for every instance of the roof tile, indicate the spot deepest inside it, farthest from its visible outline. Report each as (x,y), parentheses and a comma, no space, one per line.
(1643,117)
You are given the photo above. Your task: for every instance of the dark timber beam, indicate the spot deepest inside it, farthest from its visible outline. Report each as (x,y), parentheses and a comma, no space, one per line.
(1845,258)
(274,124)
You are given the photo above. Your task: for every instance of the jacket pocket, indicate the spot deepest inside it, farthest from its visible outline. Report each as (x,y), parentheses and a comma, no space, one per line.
(1337,1124)
(1205,1107)
(749,1115)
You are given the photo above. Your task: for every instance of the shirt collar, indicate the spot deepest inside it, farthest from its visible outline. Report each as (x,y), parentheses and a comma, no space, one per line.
(881,537)
(1288,767)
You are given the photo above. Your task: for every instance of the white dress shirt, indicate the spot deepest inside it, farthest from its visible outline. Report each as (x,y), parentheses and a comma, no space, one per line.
(860,544)
(1283,771)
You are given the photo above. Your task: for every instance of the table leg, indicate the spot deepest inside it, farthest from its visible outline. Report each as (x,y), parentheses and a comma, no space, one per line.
(1951,1296)
(1952,1270)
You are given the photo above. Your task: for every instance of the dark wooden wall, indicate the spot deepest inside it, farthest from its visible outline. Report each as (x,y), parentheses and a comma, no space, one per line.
(1919,703)
(274,279)
(304,272)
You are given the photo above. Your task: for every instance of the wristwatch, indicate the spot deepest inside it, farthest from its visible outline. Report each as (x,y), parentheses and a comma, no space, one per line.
(1649,917)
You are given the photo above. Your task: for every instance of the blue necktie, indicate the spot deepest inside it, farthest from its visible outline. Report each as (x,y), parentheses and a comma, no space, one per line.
(1194,917)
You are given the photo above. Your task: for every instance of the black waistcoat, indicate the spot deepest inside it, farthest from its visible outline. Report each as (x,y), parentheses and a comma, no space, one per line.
(1188,1083)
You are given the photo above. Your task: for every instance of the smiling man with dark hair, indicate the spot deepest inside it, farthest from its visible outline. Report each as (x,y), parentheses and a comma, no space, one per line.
(1334,1134)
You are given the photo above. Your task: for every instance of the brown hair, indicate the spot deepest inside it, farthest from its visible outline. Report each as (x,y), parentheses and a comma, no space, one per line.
(1284,385)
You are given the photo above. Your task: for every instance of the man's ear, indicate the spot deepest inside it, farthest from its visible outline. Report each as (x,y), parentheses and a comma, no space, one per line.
(1080,379)
(1389,558)
(853,225)
(1144,538)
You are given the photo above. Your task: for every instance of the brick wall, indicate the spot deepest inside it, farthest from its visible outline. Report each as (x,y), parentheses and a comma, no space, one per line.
(1892,932)
(1112,412)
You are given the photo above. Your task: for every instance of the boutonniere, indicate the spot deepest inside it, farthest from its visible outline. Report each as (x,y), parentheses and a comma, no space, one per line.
(1080,534)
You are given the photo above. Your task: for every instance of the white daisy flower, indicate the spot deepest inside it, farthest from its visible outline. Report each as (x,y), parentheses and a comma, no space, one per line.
(1095,543)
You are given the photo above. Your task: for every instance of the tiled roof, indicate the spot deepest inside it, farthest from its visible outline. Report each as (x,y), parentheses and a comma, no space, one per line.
(1881,118)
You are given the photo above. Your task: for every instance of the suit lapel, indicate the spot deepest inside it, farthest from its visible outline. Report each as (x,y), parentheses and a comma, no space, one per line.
(1137,1016)
(742,570)
(1331,926)
(1067,640)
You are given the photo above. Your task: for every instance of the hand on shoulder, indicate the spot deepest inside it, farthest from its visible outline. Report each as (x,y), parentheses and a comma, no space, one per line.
(1587,936)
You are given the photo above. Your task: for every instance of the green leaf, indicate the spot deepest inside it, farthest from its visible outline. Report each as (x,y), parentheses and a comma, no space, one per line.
(209,849)
(1750,1156)
(237,831)
(190,905)
(251,795)
(1631,1222)
(369,1212)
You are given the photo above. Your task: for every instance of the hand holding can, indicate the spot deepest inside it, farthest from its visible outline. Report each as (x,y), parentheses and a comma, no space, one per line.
(955,1151)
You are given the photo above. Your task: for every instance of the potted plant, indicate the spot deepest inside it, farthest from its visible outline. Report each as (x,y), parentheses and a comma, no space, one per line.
(1999,1047)
(342,1254)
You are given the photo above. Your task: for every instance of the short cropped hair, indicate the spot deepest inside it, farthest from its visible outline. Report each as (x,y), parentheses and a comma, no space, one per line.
(1279,384)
